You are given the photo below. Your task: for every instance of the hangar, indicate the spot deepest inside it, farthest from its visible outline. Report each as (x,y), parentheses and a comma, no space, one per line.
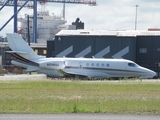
(143,47)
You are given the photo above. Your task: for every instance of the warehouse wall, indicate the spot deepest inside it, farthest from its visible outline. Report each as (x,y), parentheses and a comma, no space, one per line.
(97,46)
(148,51)
(50,49)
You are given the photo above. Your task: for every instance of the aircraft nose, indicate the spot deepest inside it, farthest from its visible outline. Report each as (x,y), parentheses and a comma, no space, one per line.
(148,73)
(152,73)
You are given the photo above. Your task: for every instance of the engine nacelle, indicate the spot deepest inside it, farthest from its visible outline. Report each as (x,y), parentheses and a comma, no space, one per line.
(19,64)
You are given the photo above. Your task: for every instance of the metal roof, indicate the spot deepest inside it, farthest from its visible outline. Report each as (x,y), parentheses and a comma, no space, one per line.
(127,33)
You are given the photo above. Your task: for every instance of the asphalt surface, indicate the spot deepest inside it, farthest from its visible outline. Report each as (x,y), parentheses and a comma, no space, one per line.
(23,77)
(43,76)
(76,117)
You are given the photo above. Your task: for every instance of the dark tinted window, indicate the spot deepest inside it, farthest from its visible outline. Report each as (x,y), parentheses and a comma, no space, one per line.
(132,65)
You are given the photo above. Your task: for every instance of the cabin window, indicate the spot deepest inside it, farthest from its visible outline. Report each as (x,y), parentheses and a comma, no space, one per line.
(107,65)
(97,64)
(102,65)
(131,64)
(92,64)
(87,64)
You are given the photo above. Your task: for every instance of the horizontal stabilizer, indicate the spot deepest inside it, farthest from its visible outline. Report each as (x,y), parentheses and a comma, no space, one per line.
(18,45)
(19,52)
(32,68)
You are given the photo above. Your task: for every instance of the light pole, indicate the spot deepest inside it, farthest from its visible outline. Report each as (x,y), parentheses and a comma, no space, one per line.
(136,18)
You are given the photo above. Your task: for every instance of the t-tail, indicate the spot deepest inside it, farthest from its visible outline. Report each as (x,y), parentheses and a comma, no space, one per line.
(23,55)
(20,47)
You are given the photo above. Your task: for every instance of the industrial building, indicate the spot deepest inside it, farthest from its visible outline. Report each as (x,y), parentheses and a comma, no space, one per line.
(143,47)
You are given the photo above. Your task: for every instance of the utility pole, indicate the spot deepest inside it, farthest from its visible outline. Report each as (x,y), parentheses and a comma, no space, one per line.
(64,11)
(136,18)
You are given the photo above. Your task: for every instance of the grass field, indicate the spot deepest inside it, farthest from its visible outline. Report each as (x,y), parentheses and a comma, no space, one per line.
(50,96)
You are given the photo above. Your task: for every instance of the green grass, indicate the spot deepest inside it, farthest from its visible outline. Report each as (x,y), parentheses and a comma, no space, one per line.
(49,96)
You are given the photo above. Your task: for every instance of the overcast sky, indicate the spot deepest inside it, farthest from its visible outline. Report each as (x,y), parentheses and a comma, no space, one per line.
(107,15)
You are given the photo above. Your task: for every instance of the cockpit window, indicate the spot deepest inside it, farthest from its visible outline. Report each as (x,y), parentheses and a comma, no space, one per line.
(132,65)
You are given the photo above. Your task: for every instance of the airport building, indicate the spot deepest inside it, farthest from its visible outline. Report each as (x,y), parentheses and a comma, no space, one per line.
(143,47)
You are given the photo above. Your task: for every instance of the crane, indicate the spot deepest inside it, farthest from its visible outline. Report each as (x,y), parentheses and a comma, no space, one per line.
(30,3)
(19,3)
(33,5)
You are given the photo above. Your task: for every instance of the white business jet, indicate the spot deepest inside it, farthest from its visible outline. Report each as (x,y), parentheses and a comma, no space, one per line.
(24,56)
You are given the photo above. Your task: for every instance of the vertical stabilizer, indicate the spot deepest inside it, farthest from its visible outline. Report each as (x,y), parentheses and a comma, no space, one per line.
(19,46)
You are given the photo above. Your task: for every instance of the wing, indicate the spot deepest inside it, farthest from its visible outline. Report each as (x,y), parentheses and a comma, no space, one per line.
(96,74)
